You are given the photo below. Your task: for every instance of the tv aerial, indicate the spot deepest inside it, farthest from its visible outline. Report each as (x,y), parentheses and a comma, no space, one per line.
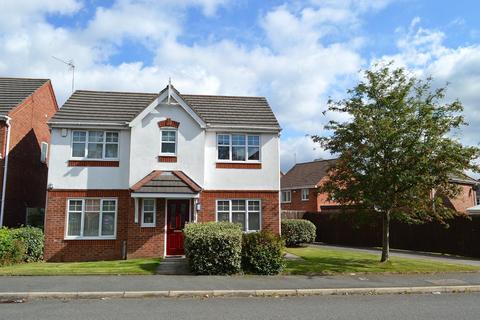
(71,66)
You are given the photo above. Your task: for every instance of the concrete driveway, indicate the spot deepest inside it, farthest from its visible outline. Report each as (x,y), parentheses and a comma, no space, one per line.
(407,254)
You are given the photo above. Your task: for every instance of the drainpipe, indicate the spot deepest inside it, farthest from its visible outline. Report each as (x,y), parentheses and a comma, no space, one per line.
(5,169)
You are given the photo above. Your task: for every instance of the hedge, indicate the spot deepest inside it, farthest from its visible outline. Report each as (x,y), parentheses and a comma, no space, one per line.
(262,253)
(298,231)
(33,240)
(20,245)
(213,247)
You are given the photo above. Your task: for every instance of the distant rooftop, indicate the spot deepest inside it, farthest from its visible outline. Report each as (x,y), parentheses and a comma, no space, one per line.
(15,90)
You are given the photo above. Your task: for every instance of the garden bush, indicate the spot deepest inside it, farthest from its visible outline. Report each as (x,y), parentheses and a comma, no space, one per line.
(33,240)
(298,231)
(262,253)
(213,247)
(11,250)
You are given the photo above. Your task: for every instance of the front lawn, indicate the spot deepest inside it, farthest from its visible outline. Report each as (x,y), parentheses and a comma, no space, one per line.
(329,261)
(117,267)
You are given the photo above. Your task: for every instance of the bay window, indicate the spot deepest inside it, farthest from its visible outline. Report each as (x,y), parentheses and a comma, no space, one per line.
(94,144)
(91,218)
(245,212)
(238,147)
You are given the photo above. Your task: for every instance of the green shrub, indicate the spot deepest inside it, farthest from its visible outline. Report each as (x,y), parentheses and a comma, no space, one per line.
(11,250)
(298,231)
(213,247)
(262,253)
(33,240)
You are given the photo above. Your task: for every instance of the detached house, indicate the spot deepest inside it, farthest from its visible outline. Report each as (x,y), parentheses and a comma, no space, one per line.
(129,170)
(26,105)
(301,183)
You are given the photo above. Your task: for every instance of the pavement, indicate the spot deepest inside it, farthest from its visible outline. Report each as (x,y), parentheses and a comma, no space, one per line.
(394,307)
(188,285)
(407,254)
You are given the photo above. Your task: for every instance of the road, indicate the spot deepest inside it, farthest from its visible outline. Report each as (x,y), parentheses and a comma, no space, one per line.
(425,307)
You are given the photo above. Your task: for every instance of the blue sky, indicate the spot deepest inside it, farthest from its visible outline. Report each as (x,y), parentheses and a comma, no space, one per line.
(296,53)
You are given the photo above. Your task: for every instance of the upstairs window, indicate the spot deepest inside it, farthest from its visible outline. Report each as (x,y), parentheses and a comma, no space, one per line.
(168,142)
(238,147)
(95,144)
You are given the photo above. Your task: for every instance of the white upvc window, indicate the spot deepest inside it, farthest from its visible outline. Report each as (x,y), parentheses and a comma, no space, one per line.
(286,196)
(305,194)
(95,144)
(168,142)
(91,218)
(243,211)
(43,152)
(148,212)
(238,147)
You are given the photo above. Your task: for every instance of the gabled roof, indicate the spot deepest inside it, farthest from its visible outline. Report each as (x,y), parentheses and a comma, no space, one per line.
(463,179)
(14,90)
(307,174)
(166,182)
(121,107)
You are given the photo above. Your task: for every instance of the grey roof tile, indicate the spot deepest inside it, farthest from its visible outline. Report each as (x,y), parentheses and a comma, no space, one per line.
(14,90)
(166,182)
(122,107)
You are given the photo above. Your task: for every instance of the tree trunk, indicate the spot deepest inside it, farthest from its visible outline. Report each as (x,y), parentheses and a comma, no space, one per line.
(386,237)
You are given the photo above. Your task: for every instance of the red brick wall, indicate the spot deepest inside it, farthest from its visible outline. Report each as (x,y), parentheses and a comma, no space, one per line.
(146,242)
(58,249)
(141,242)
(465,199)
(27,176)
(269,199)
(298,204)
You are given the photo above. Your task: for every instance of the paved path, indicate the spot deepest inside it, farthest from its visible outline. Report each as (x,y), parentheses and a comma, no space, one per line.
(173,266)
(185,282)
(425,307)
(408,254)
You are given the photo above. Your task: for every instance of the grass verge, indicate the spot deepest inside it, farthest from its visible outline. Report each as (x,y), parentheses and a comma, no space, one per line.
(330,261)
(117,267)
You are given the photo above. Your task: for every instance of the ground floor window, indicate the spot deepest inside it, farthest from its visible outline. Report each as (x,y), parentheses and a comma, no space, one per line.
(286,196)
(35,217)
(148,213)
(91,218)
(245,212)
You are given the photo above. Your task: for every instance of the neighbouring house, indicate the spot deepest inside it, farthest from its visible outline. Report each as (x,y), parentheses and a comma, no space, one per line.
(299,189)
(128,170)
(26,105)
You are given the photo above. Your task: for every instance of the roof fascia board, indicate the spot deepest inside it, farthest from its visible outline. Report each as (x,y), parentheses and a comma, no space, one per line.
(158,101)
(164,195)
(298,187)
(232,128)
(89,125)
(188,109)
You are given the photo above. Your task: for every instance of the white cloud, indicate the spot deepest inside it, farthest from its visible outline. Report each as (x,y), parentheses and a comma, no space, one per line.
(300,149)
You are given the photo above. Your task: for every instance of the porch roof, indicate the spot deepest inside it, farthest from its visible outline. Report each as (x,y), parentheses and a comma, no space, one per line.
(166,182)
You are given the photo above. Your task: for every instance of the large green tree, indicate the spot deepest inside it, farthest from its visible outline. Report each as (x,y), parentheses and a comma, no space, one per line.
(397,149)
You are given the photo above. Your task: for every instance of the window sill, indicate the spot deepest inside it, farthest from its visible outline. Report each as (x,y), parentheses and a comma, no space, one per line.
(238,165)
(167,158)
(147,226)
(93,163)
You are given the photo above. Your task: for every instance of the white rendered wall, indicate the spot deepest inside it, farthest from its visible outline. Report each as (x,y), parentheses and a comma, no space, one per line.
(145,148)
(266,178)
(61,176)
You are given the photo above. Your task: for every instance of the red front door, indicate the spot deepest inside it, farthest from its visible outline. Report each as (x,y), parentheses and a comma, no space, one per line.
(177,214)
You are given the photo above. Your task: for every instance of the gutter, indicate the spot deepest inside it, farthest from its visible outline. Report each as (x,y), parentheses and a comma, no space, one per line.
(5,168)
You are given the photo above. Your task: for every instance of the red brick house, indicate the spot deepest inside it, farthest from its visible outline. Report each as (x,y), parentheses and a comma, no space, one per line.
(26,105)
(300,189)
(129,170)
